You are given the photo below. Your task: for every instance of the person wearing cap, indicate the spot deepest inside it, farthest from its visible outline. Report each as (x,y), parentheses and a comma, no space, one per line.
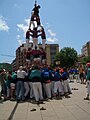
(88,81)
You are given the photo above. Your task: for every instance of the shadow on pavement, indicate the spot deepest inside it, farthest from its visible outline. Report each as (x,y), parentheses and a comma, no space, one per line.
(12,113)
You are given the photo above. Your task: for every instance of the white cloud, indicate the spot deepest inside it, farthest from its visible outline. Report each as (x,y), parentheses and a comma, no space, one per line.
(51,32)
(19,40)
(51,35)
(18,29)
(52,39)
(47,25)
(27,21)
(18,36)
(3,25)
(24,27)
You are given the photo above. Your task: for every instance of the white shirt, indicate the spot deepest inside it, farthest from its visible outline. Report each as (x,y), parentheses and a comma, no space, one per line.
(21,74)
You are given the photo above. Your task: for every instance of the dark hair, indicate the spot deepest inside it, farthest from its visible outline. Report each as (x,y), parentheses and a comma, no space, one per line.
(57,70)
(39,6)
(36,67)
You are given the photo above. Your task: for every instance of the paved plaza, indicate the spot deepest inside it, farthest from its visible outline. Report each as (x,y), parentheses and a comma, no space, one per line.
(74,108)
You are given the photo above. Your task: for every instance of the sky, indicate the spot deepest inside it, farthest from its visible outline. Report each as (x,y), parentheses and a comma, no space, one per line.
(66,22)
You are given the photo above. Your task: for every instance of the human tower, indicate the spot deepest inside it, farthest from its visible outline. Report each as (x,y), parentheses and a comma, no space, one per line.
(35,54)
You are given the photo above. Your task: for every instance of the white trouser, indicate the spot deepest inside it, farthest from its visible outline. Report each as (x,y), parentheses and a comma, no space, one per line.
(71,77)
(26,86)
(31,90)
(57,86)
(52,87)
(62,88)
(43,43)
(66,86)
(35,43)
(47,88)
(37,88)
(77,77)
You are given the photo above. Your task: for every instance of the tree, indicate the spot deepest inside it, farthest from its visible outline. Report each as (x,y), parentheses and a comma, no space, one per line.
(67,57)
(85,60)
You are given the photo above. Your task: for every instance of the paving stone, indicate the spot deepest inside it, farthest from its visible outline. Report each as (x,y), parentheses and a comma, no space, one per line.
(74,108)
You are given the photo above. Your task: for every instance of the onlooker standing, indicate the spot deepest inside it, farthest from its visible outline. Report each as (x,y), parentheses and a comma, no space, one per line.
(3,84)
(1,81)
(77,75)
(81,73)
(71,74)
(88,81)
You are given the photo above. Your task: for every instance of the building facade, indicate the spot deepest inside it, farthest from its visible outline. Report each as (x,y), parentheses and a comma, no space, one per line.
(14,65)
(86,49)
(51,50)
(85,52)
(21,56)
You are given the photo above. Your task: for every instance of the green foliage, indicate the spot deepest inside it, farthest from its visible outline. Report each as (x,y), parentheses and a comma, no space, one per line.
(6,66)
(85,60)
(67,57)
